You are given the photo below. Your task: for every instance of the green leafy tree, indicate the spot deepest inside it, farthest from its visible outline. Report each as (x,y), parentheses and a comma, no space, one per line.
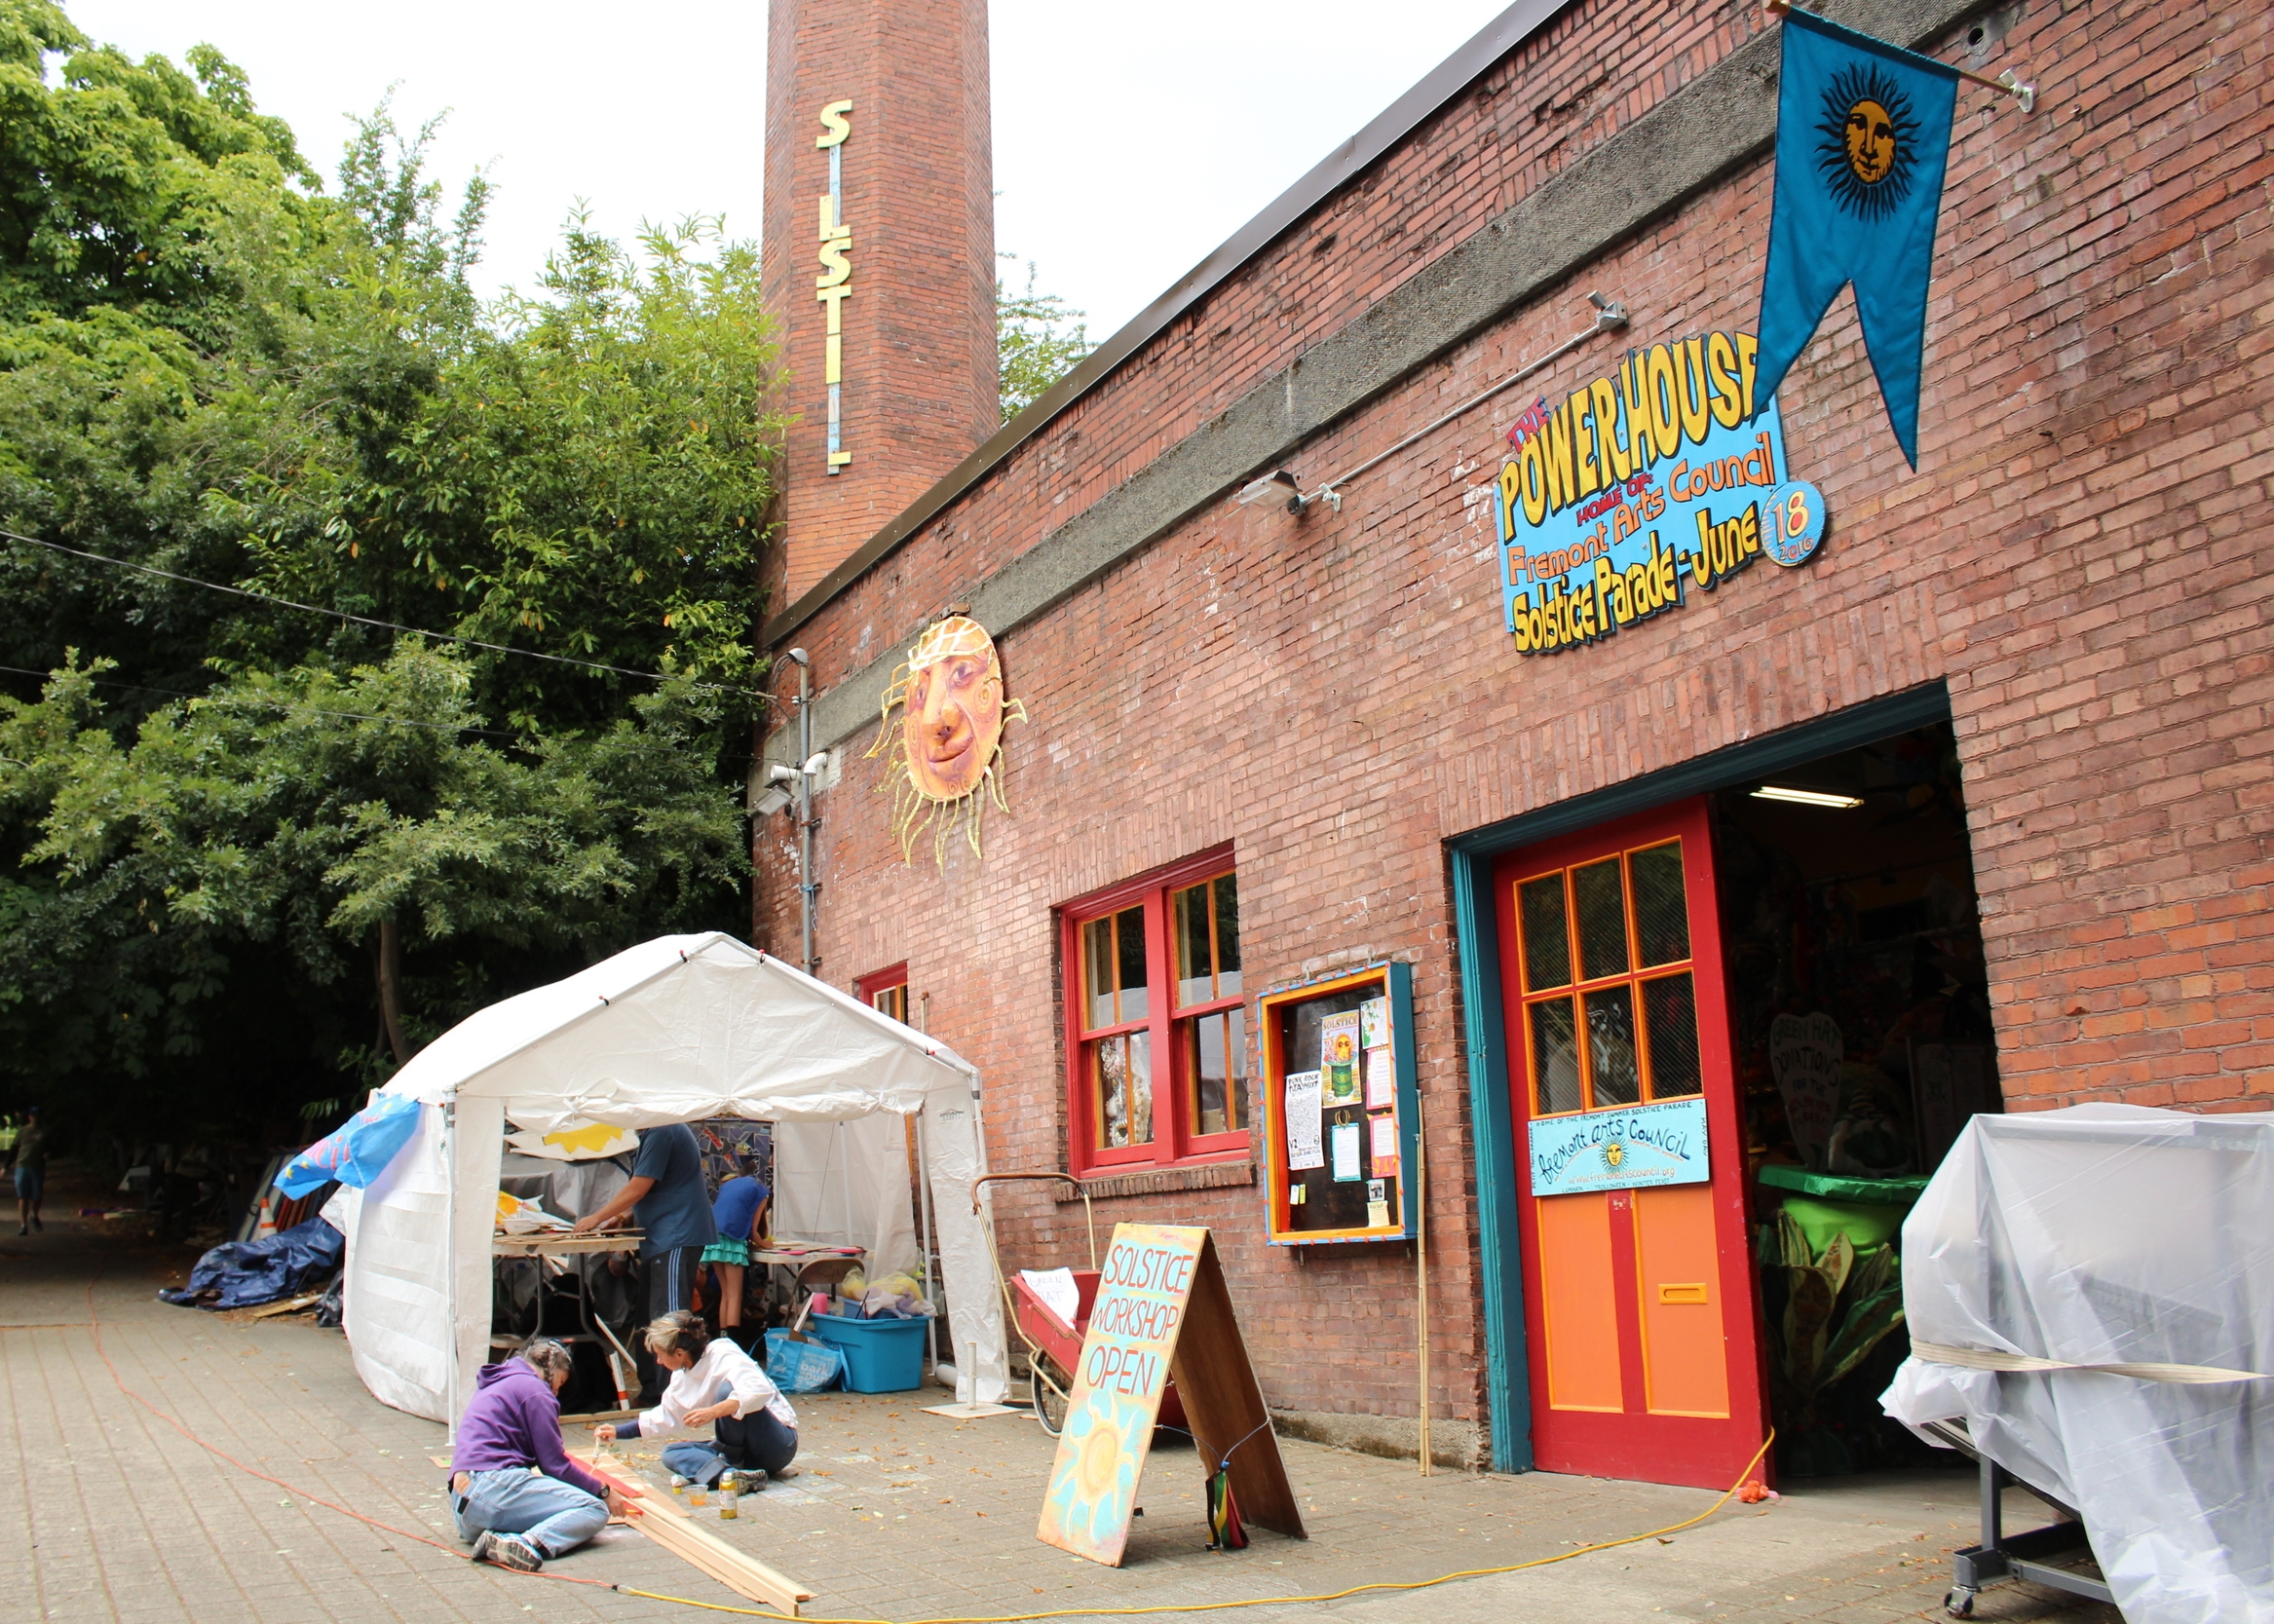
(1039,339)
(250,854)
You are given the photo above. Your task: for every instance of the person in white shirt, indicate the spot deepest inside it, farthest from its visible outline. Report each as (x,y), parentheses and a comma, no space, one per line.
(716,1384)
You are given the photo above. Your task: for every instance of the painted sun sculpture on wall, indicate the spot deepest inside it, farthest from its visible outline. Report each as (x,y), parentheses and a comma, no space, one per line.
(940,763)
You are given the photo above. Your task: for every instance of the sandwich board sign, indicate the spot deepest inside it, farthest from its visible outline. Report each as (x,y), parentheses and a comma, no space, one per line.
(1162,1310)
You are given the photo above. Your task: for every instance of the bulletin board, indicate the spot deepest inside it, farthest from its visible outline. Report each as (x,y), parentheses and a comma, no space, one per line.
(1340,1100)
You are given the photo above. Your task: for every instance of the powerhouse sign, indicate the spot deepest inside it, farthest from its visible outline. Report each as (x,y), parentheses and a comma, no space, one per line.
(1629,1149)
(1666,476)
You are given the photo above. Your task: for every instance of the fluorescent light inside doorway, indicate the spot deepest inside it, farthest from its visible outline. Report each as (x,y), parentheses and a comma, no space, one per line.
(1805,797)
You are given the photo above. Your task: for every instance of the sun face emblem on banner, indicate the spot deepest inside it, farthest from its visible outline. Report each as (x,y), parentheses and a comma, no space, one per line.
(1869,151)
(941,762)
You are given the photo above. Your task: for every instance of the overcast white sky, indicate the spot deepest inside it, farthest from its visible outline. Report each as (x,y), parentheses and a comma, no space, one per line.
(1128,140)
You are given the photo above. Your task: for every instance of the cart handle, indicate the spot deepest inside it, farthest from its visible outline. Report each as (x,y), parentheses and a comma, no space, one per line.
(1088,1213)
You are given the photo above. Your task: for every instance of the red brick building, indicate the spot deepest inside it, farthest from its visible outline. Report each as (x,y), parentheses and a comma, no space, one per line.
(2026,685)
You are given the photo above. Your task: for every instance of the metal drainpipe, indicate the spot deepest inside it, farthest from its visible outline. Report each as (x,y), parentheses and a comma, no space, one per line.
(806,885)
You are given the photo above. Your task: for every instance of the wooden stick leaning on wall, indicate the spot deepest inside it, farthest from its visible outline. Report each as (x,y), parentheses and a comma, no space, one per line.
(1421,1269)
(672,1526)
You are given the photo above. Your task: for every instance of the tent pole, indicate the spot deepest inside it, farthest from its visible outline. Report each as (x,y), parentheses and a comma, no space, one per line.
(924,1204)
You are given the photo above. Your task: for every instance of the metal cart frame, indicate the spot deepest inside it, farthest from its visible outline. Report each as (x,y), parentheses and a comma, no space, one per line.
(2001,1557)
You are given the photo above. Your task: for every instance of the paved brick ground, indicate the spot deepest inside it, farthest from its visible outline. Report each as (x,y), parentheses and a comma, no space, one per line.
(106,1513)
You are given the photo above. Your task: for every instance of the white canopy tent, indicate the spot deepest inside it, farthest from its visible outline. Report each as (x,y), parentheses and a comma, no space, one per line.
(676,1030)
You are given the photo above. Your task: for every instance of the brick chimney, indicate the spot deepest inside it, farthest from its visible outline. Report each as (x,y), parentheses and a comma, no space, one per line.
(879,259)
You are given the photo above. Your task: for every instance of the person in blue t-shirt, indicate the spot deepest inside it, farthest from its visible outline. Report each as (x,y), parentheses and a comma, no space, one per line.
(740,1213)
(666,1199)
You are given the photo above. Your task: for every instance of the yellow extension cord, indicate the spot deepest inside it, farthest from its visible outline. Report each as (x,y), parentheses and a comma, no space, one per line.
(1260,1600)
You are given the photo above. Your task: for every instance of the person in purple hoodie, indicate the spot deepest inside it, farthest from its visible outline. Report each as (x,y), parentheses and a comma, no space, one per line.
(518,1496)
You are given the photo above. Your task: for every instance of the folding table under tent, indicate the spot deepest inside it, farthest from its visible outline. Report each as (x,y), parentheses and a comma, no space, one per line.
(676,1030)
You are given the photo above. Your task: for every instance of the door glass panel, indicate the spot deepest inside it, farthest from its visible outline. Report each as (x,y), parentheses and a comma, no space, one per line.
(1661,913)
(1610,1046)
(1122,1080)
(1547,936)
(1555,1057)
(1670,1012)
(1601,901)
(1216,1051)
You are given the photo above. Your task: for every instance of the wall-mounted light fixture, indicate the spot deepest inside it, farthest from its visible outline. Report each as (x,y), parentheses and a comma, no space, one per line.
(1278,485)
(1806,797)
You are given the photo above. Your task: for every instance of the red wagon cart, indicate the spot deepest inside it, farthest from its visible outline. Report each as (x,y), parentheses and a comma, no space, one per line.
(1053,1341)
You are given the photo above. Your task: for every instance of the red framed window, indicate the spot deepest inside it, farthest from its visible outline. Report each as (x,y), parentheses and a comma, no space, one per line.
(1155,1023)
(885,991)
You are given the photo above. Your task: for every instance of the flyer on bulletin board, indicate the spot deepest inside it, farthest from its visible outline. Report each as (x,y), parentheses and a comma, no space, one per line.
(1384,1146)
(1305,1148)
(1344,1137)
(1337,1048)
(1374,1024)
(1381,1078)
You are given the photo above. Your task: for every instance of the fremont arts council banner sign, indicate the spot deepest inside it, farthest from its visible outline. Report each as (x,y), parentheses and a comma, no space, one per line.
(1666,477)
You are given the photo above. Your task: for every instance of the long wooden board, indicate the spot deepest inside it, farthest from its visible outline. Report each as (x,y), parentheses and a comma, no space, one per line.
(672,1526)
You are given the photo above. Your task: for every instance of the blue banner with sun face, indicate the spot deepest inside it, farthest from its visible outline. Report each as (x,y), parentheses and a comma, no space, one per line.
(1863,134)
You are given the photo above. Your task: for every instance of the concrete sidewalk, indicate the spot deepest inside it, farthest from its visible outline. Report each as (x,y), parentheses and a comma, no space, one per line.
(113,1515)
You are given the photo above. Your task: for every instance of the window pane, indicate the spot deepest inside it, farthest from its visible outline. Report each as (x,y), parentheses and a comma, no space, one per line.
(1610,1046)
(1129,927)
(1195,980)
(893,1001)
(1670,1009)
(1216,1051)
(1227,936)
(1661,911)
(1547,937)
(1601,902)
(1555,1057)
(1097,960)
(1120,1073)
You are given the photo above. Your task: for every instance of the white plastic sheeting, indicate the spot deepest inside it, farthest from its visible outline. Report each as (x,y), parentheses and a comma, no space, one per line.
(826,1178)
(673,1031)
(2113,1234)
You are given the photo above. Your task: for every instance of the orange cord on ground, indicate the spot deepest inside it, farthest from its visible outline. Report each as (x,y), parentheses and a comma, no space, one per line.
(94,1326)
(998,1618)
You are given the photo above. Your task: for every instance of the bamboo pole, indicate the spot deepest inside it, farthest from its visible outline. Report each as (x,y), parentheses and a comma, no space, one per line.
(1421,1270)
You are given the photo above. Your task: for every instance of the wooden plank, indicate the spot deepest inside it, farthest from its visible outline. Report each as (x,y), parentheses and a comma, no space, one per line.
(291,1305)
(1224,1405)
(672,1526)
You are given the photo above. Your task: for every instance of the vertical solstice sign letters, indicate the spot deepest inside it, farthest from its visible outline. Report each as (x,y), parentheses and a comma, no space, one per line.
(834,285)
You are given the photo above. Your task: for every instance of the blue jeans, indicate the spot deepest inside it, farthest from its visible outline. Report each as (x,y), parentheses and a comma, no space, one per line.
(754,1440)
(555,1517)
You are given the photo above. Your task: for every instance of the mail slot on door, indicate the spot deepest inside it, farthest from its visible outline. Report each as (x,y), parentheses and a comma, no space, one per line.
(1695,1292)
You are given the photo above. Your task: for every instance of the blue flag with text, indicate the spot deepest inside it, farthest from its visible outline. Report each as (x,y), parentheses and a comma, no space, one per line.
(1863,132)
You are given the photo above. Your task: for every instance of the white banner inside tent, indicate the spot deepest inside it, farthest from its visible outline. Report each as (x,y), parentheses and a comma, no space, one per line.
(676,1030)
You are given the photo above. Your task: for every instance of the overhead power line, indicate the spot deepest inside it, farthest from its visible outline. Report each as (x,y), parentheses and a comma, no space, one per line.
(370,621)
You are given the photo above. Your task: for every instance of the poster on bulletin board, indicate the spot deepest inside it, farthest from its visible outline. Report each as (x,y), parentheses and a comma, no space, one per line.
(1340,1098)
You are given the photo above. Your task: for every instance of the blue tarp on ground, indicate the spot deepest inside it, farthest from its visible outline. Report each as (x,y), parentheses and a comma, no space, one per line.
(245,1274)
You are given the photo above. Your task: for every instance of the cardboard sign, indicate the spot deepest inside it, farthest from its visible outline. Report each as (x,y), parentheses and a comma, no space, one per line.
(1805,1056)
(1161,1310)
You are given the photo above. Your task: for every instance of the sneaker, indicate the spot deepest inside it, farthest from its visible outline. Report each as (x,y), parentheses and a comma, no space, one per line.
(37,1224)
(511,1551)
(481,1545)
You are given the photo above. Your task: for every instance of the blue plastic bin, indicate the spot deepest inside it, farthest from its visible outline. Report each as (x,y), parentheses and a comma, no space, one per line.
(880,1355)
